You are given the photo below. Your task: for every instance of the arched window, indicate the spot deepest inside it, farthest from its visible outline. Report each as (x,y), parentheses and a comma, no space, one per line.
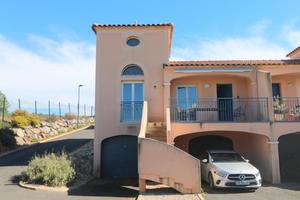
(132,70)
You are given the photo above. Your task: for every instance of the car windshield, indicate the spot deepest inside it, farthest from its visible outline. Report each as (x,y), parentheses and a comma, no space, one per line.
(226,157)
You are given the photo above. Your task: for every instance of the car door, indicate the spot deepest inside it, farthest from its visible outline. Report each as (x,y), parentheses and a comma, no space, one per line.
(204,166)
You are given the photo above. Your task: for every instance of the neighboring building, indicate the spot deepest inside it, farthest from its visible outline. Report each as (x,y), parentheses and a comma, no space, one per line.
(193,105)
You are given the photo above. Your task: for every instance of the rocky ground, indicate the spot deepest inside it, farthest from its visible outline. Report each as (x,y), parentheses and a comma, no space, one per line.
(30,134)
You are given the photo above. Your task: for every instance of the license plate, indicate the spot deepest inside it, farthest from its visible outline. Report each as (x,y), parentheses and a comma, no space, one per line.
(242,183)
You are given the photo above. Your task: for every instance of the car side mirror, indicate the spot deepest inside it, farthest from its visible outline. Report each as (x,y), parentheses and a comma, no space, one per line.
(204,161)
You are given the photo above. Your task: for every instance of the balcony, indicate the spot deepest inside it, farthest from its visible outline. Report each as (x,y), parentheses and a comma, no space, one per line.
(213,110)
(131,111)
(286,109)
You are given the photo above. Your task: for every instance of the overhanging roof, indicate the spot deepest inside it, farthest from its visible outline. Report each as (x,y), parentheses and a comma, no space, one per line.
(206,70)
(231,63)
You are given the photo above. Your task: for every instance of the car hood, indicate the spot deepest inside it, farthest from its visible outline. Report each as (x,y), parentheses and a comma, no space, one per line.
(237,168)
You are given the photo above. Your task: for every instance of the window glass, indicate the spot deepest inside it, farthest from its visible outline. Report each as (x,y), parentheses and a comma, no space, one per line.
(133,42)
(132,102)
(226,157)
(127,92)
(186,96)
(138,92)
(132,70)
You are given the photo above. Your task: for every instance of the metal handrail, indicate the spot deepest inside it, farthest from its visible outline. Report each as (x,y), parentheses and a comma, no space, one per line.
(209,109)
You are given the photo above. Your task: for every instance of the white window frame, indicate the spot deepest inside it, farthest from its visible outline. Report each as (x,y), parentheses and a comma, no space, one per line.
(132,97)
(186,86)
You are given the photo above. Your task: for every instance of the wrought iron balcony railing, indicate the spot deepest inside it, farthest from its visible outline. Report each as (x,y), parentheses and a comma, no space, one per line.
(131,111)
(219,110)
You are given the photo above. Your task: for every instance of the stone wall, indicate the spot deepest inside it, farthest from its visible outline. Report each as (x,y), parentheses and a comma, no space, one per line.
(29,135)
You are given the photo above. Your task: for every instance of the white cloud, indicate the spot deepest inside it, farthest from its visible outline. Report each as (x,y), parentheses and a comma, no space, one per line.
(260,27)
(50,73)
(291,35)
(231,48)
(255,46)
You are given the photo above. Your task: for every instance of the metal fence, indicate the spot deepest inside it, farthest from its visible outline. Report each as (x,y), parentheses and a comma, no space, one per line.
(286,109)
(131,111)
(219,110)
(47,109)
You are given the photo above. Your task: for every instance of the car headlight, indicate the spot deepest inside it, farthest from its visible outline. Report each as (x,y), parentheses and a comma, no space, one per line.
(257,174)
(221,173)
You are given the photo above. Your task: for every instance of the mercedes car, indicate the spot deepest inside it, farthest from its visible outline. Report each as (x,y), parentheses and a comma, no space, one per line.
(228,169)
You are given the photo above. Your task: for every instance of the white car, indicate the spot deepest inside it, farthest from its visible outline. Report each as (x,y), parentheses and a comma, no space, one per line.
(223,168)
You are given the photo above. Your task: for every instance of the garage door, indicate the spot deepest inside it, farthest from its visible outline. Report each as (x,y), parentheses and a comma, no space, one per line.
(289,157)
(209,142)
(119,157)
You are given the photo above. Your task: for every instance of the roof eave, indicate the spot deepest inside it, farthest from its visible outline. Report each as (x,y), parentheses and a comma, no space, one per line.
(293,52)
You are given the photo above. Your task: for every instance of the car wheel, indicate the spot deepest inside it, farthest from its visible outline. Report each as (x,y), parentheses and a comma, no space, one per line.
(211,181)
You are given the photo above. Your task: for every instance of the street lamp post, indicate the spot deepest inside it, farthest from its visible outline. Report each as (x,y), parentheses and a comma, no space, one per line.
(78,104)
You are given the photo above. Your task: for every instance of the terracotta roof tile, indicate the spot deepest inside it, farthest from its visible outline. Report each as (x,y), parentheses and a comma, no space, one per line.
(231,63)
(294,51)
(130,25)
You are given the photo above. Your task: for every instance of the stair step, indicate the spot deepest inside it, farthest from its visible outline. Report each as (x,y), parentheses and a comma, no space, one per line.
(156,137)
(156,133)
(156,124)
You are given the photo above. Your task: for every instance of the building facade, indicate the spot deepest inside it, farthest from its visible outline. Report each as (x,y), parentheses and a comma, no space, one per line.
(250,106)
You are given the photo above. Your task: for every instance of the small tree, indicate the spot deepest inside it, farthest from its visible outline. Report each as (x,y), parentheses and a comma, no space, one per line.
(2,107)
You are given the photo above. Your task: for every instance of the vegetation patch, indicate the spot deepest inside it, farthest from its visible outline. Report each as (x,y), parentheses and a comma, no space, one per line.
(50,169)
(7,139)
(21,119)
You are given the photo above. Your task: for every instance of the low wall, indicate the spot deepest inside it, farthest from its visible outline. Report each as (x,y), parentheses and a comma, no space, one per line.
(29,134)
(160,160)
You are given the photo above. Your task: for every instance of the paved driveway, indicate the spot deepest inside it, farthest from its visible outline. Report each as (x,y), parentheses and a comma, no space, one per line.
(267,192)
(12,164)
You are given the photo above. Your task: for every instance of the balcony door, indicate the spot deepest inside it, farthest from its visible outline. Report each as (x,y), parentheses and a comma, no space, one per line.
(186,96)
(276,93)
(225,107)
(132,101)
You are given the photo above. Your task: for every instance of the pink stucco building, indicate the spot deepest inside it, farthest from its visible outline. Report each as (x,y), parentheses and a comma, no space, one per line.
(152,114)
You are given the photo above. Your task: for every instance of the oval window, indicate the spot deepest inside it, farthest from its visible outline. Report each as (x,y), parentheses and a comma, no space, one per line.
(133,42)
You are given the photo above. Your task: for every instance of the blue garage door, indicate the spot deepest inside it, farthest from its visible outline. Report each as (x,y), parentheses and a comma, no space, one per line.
(119,157)
(289,157)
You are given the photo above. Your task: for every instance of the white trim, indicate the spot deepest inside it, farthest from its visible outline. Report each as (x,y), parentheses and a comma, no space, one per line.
(207,70)
(273,142)
(187,95)
(132,84)
(186,86)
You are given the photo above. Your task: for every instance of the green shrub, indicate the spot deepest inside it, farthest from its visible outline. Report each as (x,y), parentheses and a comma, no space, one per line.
(7,138)
(34,120)
(19,113)
(34,140)
(4,125)
(70,116)
(21,118)
(19,121)
(50,169)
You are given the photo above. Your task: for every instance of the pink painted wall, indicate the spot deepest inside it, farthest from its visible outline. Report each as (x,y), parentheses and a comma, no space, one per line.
(112,55)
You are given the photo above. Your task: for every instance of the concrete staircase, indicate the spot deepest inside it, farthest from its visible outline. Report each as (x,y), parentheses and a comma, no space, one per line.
(166,164)
(170,182)
(156,131)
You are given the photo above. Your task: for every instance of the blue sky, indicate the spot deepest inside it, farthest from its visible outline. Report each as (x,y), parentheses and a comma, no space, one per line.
(47,47)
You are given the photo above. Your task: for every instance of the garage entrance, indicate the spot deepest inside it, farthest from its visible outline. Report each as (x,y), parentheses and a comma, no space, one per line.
(209,142)
(119,157)
(289,157)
